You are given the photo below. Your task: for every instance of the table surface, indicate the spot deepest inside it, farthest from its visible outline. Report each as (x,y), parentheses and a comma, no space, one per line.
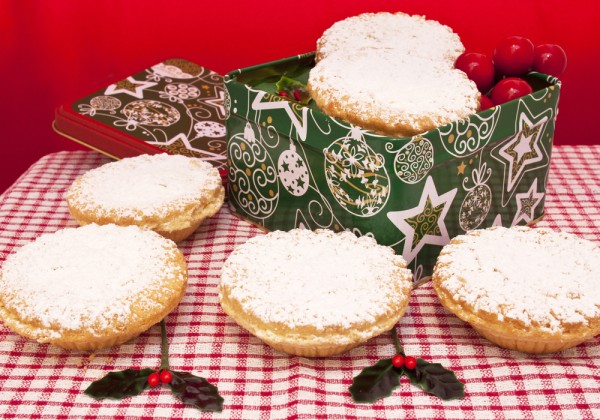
(44,381)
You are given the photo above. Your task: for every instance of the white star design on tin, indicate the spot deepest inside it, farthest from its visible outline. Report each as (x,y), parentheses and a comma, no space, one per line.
(300,126)
(522,149)
(206,155)
(129,86)
(218,103)
(526,204)
(430,201)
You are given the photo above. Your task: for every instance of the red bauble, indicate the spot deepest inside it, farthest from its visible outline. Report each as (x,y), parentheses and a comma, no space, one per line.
(485,103)
(509,89)
(513,56)
(549,59)
(478,67)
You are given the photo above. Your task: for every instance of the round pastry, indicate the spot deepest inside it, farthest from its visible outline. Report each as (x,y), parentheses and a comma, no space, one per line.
(170,194)
(410,35)
(392,73)
(532,290)
(91,287)
(314,294)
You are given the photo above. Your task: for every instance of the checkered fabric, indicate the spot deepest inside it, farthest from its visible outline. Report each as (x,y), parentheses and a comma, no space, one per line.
(43,381)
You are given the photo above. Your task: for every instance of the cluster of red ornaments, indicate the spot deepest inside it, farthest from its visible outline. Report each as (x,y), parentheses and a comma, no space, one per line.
(499,80)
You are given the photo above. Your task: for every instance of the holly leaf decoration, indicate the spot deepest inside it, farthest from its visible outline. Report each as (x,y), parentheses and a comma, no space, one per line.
(294,90)
(375,382)
(120,384)
(436,379)
(196,391)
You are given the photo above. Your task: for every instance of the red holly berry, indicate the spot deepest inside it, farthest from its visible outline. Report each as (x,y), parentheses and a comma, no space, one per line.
(398,361)
(153,379)
(410,362)
(165,376)
(509,89)
(283,93)
(478,67)
(513,56)
(296,95)
(550,59)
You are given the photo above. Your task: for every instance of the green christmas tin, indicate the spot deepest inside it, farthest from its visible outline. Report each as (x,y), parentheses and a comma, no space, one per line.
(290,165)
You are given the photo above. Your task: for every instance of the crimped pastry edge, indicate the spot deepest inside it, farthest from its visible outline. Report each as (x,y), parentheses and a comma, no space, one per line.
(186,219)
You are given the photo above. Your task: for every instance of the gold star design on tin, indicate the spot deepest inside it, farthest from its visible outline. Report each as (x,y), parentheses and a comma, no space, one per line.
(523,149)
(526,204)
(425,223)
(461,168)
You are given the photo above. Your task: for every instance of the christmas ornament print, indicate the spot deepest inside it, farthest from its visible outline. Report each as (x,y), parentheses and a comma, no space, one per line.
(293,172)
(414,160)
(181,92)
(252,175)
(465,137)
(177,69)
(151,113)
(209,129)
(478,201)
(356,175)
(105,103)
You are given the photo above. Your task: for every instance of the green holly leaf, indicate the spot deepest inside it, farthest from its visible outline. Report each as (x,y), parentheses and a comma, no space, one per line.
(196,391)
(294,90)
(436,379)
(375,382)
(120,384)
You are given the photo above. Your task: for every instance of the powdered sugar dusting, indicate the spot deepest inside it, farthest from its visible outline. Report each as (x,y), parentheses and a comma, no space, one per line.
(404,34)
(300,278)
(145,185)
(85,277)
(535,276)
(388,85)
(393,70)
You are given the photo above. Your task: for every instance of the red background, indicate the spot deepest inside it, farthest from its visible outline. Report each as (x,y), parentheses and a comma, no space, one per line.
(57,51)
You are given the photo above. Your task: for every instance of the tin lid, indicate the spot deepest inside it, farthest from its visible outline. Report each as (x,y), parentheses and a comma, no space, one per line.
(175,106)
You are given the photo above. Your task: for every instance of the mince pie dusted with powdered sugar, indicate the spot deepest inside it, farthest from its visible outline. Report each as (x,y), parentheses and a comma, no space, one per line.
(170,194)
(532,290)
(91,287)
(315,293)
(392,73)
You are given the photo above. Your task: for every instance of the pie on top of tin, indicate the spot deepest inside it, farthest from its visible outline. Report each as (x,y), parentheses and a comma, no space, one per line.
(392,73)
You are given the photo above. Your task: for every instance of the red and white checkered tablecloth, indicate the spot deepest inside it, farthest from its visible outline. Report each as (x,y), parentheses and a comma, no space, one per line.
(43,381)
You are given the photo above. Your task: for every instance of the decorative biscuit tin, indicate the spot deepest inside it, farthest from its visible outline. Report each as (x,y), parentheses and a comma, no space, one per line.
(293,166)
(175,106)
